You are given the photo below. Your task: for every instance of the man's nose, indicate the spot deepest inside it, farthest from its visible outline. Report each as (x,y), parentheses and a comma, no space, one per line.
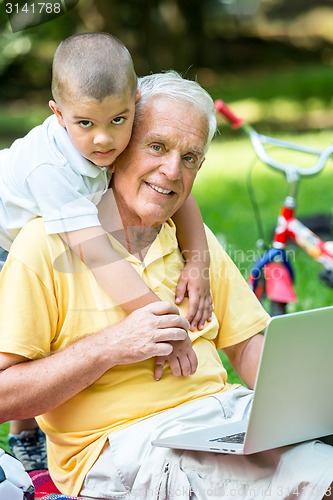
(171,166)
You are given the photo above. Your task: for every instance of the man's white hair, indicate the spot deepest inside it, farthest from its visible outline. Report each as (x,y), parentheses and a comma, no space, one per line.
(172,85)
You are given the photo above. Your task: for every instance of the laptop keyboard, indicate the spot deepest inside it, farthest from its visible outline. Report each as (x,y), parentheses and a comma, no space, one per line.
(232,438)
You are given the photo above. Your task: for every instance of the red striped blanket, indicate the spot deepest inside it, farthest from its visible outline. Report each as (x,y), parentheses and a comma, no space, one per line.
(45,489)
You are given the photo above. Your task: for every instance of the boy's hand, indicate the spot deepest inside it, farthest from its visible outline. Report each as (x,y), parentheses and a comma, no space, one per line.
(194,282)
(183,360)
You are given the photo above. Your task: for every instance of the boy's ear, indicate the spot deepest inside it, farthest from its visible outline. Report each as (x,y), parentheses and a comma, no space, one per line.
(56,110)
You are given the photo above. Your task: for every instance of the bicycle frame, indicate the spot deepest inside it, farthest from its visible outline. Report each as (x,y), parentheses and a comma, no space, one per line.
(272,274)
(275,263)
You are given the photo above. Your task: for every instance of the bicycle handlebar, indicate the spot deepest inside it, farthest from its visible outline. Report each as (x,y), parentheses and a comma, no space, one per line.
(258,140)
(224,109)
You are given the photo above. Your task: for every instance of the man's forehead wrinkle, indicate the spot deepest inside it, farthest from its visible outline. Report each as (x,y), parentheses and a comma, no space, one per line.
(183,126)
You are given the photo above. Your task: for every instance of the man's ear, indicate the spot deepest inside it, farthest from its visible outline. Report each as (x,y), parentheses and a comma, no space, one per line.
(137,95)
(201,163)
(56,110)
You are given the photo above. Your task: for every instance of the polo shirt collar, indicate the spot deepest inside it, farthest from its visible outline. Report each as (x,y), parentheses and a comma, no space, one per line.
(164,244)
(76,161)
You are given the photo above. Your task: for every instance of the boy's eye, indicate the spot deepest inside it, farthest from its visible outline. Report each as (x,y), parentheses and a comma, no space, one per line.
(119,120)
(85,123)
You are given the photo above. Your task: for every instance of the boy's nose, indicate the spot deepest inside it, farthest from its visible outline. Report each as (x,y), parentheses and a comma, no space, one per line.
(102,138)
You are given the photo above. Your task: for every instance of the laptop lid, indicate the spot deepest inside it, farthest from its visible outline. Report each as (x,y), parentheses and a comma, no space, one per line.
(292,399)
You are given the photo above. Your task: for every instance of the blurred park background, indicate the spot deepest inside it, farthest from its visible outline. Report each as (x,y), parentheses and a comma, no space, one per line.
(271,60)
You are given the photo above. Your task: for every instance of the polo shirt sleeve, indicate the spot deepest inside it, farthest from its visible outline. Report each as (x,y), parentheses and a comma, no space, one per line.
(28,310)
(65,201)
(240,315)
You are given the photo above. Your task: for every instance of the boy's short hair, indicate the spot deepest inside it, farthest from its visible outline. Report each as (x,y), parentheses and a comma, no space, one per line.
(92,65)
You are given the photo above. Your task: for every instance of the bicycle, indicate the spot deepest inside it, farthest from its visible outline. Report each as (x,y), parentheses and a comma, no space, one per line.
(272,275)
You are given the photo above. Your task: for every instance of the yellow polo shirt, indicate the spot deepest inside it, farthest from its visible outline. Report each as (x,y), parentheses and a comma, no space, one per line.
(49,299)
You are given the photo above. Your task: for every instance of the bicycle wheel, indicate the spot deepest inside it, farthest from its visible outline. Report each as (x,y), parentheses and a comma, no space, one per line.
(278,308)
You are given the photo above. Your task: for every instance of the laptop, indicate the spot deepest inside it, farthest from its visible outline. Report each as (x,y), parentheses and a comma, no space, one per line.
(292,399)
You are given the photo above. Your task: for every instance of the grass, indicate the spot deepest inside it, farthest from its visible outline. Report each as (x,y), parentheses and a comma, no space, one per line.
(4,428)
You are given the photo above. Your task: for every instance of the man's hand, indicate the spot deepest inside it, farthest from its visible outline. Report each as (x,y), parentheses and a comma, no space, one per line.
(183,360)
(146,333)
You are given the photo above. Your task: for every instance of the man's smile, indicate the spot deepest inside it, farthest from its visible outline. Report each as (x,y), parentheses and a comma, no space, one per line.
(159,189)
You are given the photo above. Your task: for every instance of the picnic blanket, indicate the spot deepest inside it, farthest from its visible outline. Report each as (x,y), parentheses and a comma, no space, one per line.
(45,489)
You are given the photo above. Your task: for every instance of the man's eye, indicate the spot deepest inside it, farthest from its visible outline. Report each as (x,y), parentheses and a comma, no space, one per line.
(189,159)
(156,147)
(119,120)
(191,162)
(85,123)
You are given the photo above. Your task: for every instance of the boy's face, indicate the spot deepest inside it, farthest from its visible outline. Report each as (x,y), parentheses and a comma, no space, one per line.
(99,130)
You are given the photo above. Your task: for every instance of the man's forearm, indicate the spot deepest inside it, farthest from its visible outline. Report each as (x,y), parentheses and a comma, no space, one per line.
(33,387)
(244,358)
(30,388)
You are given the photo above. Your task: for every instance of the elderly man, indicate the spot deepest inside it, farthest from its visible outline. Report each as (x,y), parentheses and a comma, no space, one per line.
(71,356)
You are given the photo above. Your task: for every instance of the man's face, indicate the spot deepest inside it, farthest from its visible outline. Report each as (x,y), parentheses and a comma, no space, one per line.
(155,174)
(99,130)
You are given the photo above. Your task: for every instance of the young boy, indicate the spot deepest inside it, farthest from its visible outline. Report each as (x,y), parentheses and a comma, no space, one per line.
(61,168)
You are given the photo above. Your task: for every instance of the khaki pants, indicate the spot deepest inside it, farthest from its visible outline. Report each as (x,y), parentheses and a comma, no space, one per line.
(129,468)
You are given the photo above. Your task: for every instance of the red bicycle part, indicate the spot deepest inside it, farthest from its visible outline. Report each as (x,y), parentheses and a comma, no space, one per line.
(224,109)
(279,286)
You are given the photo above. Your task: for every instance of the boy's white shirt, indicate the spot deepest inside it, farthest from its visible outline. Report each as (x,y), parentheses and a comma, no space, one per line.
(42,174)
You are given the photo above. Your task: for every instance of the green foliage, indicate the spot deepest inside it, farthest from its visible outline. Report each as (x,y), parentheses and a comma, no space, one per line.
(16,122)
(302,84)
(182,35)
(4,429)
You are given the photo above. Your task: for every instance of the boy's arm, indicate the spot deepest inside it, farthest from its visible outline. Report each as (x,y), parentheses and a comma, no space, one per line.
(191,234)
(124,285)
(195,277)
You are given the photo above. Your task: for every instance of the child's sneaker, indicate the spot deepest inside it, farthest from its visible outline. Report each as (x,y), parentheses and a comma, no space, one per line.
(30,448)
